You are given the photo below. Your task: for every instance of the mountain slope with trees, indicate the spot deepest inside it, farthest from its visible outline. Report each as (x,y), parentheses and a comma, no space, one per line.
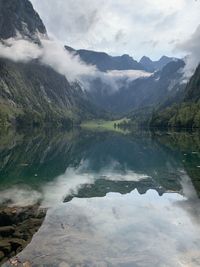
(35,94)
(139,93)
(183,115)
(32,93)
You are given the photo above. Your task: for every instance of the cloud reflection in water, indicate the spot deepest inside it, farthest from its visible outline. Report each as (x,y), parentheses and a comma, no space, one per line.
(118,230)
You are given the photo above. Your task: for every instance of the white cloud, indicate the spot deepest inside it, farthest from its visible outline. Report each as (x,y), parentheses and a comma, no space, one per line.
(55,55)
(129,74)
(50,53)
(191,47)
(19,50)
(120,27)
(132,27)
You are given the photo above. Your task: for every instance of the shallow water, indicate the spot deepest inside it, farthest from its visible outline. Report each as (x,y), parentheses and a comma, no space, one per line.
(111,200)
(118,230)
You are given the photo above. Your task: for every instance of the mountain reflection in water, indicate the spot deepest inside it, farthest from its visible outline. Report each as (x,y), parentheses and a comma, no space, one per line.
(130,201)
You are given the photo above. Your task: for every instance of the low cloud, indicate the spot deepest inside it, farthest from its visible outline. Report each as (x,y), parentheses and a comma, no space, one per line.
(50,53)
(53,54)
(191,47)
(56,56)
(128,74)
(19,50)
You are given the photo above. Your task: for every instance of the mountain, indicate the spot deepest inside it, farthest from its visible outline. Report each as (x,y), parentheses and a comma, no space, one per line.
(105,62)
(193,88)
(140,93)
(17,17)
(152,66)
(186,114)
(52,152)
(147,63)
(132,93)
(35,94)
(32,93)
(163,61)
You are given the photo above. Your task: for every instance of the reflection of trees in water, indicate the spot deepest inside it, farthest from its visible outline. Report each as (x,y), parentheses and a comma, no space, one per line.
(189,146)
(101,187)
(34,159)
(38,158)
(42,156)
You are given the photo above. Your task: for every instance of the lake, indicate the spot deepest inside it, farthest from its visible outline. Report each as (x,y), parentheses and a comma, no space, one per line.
(86,198)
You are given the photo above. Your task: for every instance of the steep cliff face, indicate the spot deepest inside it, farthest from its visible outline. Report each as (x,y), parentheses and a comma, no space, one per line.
(160,87)
(193,87)
(17,17)
(32,93)
(186,114)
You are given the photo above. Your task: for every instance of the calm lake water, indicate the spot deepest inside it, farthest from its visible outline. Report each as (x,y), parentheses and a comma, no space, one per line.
(104,199)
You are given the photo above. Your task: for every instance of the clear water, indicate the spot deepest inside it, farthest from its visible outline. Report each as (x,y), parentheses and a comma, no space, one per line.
(111,199)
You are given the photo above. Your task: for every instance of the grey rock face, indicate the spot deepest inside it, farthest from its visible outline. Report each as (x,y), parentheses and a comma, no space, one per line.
(18,16)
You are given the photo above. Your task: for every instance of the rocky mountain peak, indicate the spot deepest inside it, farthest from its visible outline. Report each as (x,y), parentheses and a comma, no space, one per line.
(18,18)
(145,59)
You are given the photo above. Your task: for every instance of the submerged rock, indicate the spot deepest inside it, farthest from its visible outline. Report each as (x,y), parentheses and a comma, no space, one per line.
(17,227)
(5,246)
(6,231)
(2,255)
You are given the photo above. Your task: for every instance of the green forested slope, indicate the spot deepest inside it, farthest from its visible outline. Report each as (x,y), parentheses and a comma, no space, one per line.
(185,114)
(34,94)
(193,88)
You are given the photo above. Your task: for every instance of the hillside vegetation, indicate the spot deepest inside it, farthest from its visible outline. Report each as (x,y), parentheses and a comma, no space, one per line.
(34,94)
(185,114)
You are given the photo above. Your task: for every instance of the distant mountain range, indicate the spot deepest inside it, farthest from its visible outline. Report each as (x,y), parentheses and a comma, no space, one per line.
(32,93)
(161,87)
(134,93)
(152,66)
(105,62)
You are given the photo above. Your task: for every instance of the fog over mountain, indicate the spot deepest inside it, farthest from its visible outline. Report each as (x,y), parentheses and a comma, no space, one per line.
(82,80)
(191,47)
(38,76)
(93,97)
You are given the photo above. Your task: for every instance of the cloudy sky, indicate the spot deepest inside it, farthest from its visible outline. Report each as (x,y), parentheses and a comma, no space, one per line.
(146,27)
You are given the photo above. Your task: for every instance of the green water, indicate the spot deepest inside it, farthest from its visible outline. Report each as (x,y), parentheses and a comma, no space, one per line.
(33,161)
(111,199)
